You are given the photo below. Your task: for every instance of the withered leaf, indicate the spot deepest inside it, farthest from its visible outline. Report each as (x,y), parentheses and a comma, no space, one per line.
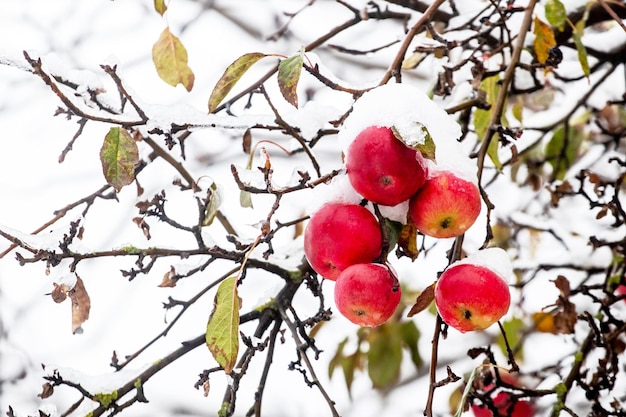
(423,300)
(565,320)
(81,304)
(59,293)
(46,391)
(167,278)
(407,241)
(563,285)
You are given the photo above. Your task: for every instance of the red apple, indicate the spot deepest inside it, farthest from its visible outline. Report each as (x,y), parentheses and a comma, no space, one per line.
(445,206)
(505,404)
(506,408)
(621,290)
(339,235)
(367,294)
(383,169)
(471,297)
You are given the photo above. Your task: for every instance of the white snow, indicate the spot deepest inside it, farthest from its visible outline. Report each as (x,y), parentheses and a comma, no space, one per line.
(495,259)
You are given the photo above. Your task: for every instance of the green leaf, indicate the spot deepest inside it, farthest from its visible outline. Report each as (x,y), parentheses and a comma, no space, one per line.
(410,337)
(214,200)
(289,70)
(385,354)
(349,363)
(514,329)
(160,6)
(562,149)
(556,14)
(119,155)
(222,331)
(232,74)
(170,60)
(482,118)
(580,48)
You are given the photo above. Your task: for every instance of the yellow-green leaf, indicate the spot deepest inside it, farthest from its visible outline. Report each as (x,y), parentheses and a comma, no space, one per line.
(580,48)
(514,329)
(222,331)
(231,75)
(544,40)
(118,156)
(289,70)
(482,118)
(245,199)
(170,60)
(422,142)
(160,6)
(518,109)
(556,14)
(213,204)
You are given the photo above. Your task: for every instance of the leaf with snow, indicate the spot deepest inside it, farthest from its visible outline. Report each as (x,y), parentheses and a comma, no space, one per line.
(544,40)
(232,74)
(160,6)
(222,332)
(423,143)
(119,155)
(170,60)
(289,71)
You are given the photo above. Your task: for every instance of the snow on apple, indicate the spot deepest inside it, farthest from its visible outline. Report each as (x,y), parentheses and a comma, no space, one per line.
(471,294)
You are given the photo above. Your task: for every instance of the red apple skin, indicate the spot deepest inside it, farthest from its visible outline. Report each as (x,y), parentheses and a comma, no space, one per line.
(445,206)
(383,169)
(471,297)
(621,290)
(502,401)
(339,235)
(367,294)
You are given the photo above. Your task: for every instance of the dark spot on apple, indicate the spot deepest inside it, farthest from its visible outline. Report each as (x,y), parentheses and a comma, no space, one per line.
(445,223)
(386,180)
(467,314)
(359,313)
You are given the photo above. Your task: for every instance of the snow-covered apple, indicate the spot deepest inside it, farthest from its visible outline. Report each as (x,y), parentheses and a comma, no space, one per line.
(382,168)
(472,295)
(339,235)
(367,294)
(445,206)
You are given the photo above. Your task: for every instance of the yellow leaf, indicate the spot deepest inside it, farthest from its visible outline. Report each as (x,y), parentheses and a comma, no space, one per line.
(544,40)
(170,60)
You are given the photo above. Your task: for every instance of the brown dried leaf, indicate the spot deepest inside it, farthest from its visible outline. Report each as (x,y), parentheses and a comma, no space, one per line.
(423,300)
(167,279)
(59,293)
(407,241)
(247,141)
(565,320)
(563,285)
(81,304)
(46,391)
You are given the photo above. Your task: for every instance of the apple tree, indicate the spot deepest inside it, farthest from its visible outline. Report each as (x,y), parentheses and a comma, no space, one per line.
(417,205)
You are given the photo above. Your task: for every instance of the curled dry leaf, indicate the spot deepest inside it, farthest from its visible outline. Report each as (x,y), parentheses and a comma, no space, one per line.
(59,293)
(168,280)
(46,391)
(423,300)
(81,304)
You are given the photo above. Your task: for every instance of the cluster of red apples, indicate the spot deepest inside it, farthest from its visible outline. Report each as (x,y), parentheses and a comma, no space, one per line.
(344,242)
